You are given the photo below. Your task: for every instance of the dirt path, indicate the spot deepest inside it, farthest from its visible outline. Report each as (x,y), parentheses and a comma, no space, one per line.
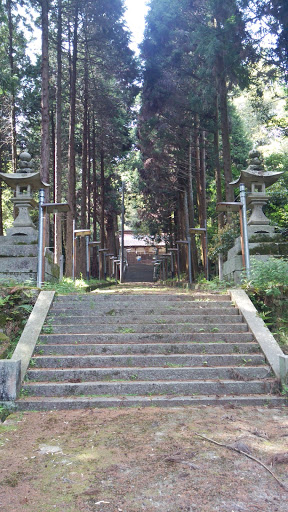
(143,459)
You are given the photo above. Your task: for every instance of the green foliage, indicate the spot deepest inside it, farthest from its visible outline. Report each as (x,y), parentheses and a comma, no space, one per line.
(270,276)
(277,207)
(4,413)
(241,144)
(67,285)
(224,240)
(214,284)
(268,290)
(16,304)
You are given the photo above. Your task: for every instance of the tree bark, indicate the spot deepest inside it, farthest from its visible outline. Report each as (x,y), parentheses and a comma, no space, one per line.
(225,132)
(58,145)
(182,232)
(85,144)
(200,159)
(71,194)
(95,268)
(110,228)
(84,161)
(198,173)
(12,106)
(1,207)
(203,198)
(45,143)
(218,178)
(89,187)
(102,214)
(190,195)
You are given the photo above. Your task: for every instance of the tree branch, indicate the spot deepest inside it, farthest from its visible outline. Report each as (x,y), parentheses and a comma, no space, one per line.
(246,455)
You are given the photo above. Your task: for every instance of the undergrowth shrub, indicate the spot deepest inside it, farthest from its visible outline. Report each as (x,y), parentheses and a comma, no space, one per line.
(267,288)
(269,277)
(67,285)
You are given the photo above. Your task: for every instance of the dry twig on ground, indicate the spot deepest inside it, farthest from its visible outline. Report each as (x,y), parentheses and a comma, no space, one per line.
(246,455)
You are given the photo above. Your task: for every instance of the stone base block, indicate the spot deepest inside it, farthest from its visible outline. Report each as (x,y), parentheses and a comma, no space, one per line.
(22,231)
(233,267)
(12,251)
(261,230)
(19,263)
(19,240)
(10,380)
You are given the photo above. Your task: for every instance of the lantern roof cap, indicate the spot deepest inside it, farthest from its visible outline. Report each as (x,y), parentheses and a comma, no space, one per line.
(255,173)
(23,179)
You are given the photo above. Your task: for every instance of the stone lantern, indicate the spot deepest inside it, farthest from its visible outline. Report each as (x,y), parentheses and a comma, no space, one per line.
(19,249)
(24,182)
(256,181)
(263,239)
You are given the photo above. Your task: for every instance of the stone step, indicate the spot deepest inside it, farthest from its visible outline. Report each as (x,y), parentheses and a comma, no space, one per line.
(138,305)
(105,319)
(159,360)
(213,387)
(64,403)
(111,374)
(155,297)
(109,350)
(147,348)
(75,338)
(178,328)
(144,311)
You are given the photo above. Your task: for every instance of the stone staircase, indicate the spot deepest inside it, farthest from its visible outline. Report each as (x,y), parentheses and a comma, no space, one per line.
(164,349)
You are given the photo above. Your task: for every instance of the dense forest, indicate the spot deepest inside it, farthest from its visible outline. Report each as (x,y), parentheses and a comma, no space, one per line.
(176,122)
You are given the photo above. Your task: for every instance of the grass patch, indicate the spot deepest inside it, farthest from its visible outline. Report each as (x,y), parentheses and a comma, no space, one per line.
(67,285)
(126,330)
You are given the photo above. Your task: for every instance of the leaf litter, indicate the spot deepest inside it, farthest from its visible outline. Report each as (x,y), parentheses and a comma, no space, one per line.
(111,460)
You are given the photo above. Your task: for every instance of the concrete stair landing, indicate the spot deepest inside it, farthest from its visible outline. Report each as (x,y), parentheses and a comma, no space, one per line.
(167,349)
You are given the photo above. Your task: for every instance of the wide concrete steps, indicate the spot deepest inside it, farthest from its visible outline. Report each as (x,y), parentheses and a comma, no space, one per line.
(170,349)
(165,349)
(145,328)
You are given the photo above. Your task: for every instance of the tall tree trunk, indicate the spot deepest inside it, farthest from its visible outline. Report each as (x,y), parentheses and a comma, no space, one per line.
(200,182)
(223,106)
(217,166)
(45,140)
(45,143)
(182,232)
(116,234)
(89,187)
(12,106)
(102,214)
(58,145)
(52,121)
(85,144)
(84,161)
(198,176)
(94,209)
(190,196)
(71,194)
(203,198)
(1,207)
(110,228)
